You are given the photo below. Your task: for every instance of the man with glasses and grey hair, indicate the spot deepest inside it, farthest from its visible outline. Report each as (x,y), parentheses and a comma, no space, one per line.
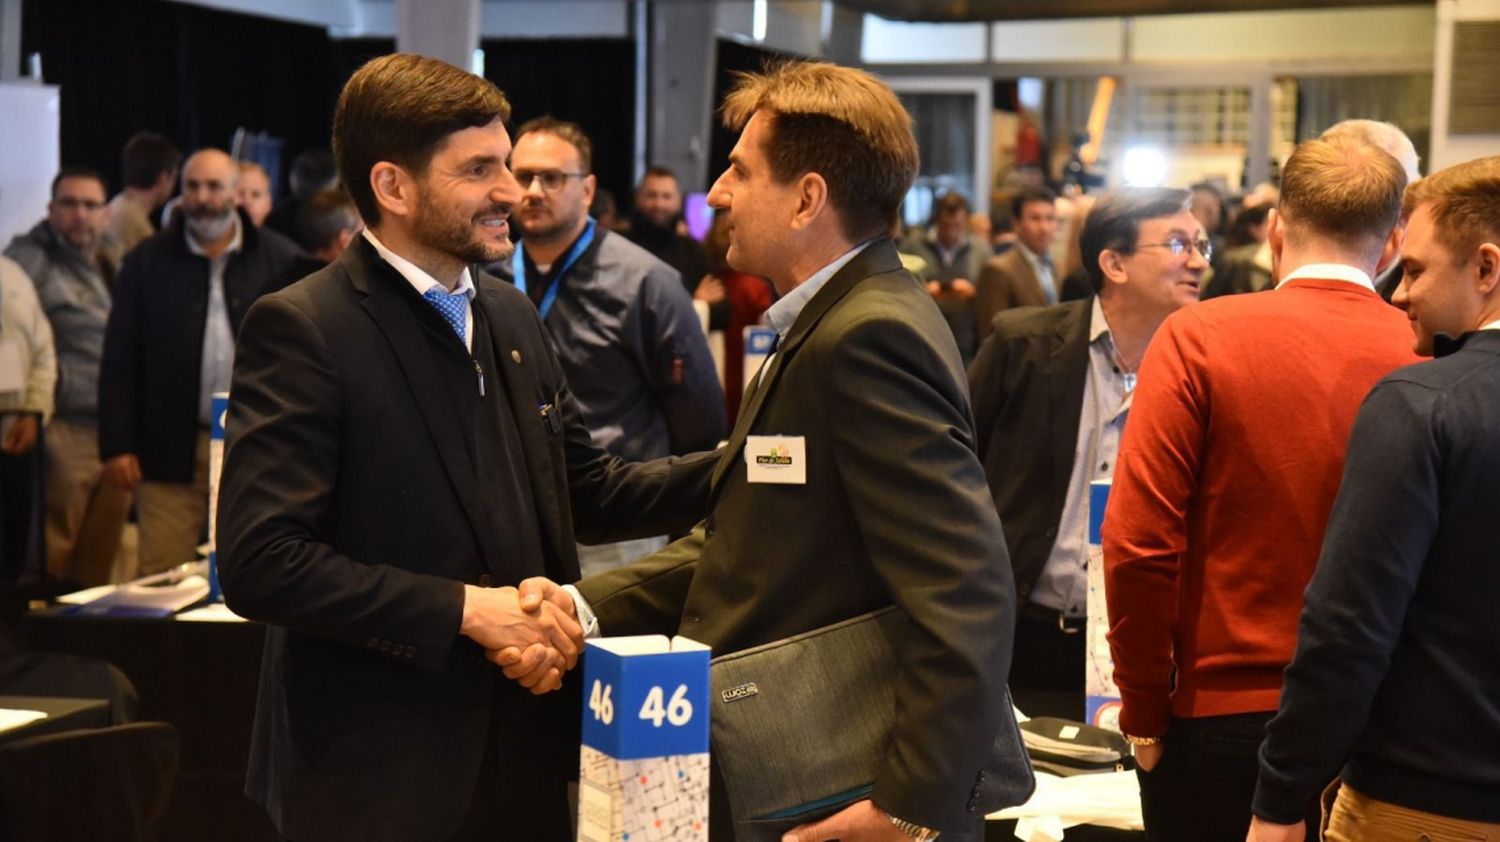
(1070,368)
(620,319)
(1226,475)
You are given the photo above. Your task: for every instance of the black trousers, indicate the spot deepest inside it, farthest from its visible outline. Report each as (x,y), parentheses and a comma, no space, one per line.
(1201,789)
(20,512)
(1047,665)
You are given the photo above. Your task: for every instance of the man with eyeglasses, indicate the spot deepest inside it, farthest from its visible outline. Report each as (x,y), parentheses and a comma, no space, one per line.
(620,319)
(71,259)
(1063,376)
(1227,472)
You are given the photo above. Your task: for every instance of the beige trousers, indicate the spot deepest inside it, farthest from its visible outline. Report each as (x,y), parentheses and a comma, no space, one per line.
(85,515)
(1353,817)
(174,516)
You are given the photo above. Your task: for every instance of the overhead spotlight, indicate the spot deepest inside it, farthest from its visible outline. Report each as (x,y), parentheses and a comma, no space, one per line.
(1145,166)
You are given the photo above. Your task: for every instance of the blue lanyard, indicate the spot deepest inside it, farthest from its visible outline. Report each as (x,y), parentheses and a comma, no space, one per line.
(518,267)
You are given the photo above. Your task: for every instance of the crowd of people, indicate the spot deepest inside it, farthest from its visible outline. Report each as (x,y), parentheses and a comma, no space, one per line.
(434,471)
(119,379)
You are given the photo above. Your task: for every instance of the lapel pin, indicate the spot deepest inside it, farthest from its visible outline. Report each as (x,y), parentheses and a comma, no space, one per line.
(516,355)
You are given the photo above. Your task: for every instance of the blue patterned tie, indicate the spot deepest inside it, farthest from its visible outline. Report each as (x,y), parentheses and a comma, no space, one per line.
(452,306)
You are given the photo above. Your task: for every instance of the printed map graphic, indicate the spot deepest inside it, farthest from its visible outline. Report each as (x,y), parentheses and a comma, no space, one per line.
(657,799)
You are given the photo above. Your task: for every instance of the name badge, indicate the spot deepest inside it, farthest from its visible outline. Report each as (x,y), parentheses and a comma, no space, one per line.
(776,459)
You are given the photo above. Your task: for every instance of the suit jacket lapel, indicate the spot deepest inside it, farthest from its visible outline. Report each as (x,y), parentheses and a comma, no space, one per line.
(522,389)
(380,284)
(1067,370)
(877,258)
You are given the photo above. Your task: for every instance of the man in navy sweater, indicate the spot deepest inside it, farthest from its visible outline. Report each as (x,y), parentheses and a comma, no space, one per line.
(1397,674)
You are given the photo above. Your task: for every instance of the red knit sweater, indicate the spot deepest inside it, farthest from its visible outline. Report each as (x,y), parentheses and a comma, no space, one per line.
(1227,471)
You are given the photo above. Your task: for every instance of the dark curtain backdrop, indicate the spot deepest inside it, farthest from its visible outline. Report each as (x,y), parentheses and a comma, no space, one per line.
(197,74)
(590,82)
(191,73)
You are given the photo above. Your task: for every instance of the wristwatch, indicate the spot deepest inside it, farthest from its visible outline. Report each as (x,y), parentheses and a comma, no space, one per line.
(1141,741)
(912,829)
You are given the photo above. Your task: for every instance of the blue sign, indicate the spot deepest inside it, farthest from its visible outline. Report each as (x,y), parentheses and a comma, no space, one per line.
(645,697)
(758,341)
(1098,497)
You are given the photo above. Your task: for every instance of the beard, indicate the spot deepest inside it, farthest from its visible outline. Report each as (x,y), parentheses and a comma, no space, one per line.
(208,223)
(448,230)
(554,226)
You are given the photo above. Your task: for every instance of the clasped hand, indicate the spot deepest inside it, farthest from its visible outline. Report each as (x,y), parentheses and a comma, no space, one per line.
(531,633)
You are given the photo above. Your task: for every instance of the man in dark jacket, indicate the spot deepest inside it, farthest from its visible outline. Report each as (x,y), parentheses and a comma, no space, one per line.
(1395,678)
(169,347)
(1063,376)
(623,326)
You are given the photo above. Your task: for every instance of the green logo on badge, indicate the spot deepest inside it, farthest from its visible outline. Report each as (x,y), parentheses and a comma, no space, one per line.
(777,456)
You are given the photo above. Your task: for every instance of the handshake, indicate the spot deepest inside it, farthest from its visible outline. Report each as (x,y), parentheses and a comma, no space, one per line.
(531,632)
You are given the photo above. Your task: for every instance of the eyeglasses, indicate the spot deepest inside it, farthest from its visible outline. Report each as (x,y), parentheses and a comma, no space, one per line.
(552,180)
(1180,245)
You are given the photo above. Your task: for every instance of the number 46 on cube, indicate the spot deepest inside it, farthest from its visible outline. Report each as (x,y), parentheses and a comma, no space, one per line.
(643,768)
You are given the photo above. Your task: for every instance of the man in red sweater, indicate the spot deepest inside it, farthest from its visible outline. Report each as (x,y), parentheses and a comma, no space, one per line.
(1226,476)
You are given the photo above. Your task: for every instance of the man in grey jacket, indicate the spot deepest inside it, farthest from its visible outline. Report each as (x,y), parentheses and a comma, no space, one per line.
(623,325)
(72,259)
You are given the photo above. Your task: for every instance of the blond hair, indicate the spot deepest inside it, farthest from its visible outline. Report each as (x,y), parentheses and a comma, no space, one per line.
(843,124)
(1465,203)
(1343,190)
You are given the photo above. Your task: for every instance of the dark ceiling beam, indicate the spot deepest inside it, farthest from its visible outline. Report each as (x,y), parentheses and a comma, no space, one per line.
(992,10)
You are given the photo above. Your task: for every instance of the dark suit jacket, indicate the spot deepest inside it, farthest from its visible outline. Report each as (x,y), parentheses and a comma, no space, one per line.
(894,511)
(1006,281)
(350,520)
(1027,385)
(153,343)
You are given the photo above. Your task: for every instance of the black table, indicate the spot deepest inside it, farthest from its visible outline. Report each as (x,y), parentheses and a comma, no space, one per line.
(200,677)
(62,715)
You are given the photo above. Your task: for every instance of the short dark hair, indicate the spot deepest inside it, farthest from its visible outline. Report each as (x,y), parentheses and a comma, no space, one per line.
(313,170)
(324,216)
(1114,223)
(75,171)
(1343,190)
(841,123)
(146,156)
(657,171)
(563,130)
(948,204)
(401,108)
(1026,196)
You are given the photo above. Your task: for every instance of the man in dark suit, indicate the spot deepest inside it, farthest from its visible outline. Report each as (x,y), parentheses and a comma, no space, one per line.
(1051,389)
(1023,276)
(883,499)
(400,439)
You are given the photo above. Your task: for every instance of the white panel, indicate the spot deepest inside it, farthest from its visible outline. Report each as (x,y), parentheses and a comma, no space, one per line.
(1090,39)
(1395,32)
(30,137)
(552,19)
(1447,149)
(888,41)
(795,26)
(737,18)
(512,19)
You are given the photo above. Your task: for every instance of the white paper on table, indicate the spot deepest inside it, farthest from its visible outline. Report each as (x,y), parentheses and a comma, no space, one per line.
(1106,799)
(12,718)
(215,612)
